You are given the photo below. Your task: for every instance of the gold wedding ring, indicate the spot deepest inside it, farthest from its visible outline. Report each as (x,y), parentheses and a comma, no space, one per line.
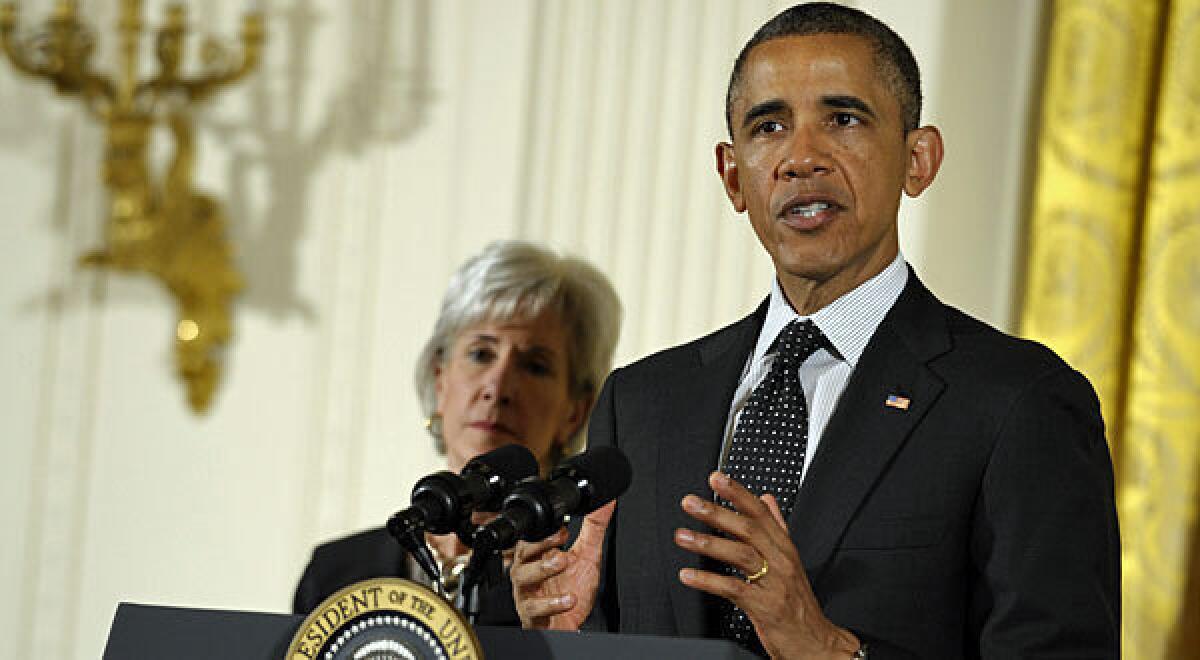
(750,579)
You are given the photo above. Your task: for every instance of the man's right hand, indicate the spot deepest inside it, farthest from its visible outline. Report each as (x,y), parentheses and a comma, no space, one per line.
(556,589)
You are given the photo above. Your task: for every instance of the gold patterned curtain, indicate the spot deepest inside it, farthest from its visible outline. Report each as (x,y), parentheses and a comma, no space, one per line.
(1113,281)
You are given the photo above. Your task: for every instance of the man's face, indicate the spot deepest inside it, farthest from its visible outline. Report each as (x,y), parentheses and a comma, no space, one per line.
(818,160)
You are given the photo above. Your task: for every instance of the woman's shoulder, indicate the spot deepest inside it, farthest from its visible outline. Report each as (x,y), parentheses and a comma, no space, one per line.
(341,562)
(366,543)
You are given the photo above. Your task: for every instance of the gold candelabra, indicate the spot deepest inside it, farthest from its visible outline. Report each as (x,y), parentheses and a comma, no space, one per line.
(159,225)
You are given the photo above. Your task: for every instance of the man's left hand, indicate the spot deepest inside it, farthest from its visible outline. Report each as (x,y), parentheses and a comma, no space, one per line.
(780,603)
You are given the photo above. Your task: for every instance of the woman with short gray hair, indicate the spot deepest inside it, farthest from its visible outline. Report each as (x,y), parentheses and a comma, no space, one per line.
(522,343)
(519,281)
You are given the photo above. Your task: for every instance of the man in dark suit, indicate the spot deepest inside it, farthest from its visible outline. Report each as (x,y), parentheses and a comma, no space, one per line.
(945,490)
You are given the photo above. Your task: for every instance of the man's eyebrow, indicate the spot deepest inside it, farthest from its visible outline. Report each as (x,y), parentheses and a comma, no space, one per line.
(847,102)
(769,107)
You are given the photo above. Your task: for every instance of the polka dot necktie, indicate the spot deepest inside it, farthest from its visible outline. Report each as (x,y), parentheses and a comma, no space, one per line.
(769,443)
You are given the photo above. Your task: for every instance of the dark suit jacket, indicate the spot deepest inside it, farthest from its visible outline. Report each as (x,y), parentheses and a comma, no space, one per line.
(979,522)
(374,553)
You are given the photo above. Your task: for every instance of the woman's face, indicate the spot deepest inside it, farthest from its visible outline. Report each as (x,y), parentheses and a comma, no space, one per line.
(502,382)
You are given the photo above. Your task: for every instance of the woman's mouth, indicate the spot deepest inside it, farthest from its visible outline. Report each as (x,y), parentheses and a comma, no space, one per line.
(492,427)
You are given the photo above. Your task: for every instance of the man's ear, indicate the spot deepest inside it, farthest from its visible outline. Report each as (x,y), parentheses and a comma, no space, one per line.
(727,168)
(925,152)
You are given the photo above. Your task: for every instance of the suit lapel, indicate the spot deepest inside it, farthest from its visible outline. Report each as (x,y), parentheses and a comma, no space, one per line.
(864,434)
(700,407)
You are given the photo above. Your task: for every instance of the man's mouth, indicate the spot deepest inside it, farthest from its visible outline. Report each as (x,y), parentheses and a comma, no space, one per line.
(808,212)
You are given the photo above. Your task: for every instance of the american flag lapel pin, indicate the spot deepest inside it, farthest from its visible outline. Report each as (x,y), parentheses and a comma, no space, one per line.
(896,401)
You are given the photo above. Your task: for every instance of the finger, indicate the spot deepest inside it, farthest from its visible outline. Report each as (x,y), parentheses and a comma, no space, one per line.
(540,607)
(730,588)
(773,507)
(718,517)
(536,571)
(527,551)
(590,542)
(745,502)
(737,554)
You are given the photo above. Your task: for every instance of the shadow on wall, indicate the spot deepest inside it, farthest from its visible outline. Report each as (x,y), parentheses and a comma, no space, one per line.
(24,117)
(384,98)
(29,107)
(973,221)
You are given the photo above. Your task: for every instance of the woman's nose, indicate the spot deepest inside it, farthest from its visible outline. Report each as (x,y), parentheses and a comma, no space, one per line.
(500,382)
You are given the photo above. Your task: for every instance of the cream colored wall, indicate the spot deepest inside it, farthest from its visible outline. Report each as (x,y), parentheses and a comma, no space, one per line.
(381,144)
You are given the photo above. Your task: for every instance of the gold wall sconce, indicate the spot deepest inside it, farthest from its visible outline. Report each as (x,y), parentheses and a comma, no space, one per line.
(157,223)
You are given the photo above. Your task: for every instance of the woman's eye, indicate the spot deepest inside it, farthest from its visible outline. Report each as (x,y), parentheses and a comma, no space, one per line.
(539,368)
(479,354)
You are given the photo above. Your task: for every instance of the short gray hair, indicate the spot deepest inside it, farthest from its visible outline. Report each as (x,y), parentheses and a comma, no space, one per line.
(517,279)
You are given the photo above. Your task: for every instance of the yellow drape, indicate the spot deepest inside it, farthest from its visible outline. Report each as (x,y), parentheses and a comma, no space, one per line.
(1113,281)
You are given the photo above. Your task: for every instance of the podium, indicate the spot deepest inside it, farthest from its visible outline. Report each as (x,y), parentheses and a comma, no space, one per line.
(145,632)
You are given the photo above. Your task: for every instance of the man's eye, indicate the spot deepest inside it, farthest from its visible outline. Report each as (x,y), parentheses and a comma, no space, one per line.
(846,119)
(538,368)
(769,126)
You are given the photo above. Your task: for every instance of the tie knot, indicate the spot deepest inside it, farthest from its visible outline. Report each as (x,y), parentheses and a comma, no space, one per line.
(799,340)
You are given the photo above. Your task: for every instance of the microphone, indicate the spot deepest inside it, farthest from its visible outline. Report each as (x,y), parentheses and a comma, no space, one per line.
(443,500)
(535,509)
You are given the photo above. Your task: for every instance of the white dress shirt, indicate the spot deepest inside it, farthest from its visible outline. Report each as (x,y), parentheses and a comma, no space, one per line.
(848,322)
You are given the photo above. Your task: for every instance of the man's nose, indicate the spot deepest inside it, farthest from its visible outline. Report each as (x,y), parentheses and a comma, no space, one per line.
(808,155)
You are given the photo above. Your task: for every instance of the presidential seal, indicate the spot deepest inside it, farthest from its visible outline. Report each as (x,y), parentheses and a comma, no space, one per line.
(384,619)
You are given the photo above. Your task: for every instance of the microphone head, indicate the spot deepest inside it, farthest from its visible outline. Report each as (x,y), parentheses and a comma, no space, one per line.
(511,462)
(499,469)
(602,473)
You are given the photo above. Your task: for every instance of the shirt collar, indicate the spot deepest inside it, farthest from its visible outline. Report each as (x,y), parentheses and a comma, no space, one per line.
(848,322)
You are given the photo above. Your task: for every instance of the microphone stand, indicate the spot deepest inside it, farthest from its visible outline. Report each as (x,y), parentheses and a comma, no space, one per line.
(483,570)
(412,538)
